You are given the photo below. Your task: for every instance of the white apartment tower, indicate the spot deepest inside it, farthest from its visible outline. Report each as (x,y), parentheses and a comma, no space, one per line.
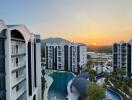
(61,54)
(122,56)
(20,63)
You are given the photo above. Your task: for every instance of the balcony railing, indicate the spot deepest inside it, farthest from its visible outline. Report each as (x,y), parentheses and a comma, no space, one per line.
(21,92)
(18,51)
(18,80)
(18,65)
(18,68)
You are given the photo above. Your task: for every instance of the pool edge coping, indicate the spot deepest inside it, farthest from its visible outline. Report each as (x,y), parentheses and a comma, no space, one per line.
(110,88)
(49,80)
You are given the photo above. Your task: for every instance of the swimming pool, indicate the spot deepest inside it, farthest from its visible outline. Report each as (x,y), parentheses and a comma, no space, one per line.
(109,93)
(58,89)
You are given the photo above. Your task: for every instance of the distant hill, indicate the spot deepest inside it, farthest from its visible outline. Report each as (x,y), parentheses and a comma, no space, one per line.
(100,49)
(54,40)
(51,40)
(58,40)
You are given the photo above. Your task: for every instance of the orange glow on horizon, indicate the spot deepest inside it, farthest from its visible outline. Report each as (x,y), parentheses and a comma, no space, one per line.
(95,44)
(94,39)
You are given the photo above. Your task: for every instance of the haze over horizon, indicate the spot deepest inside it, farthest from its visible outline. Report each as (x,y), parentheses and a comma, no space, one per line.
(93,22)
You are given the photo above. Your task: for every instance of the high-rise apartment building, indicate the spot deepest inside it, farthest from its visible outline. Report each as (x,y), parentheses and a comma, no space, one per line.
(20,63)
(122,57)
(61,54)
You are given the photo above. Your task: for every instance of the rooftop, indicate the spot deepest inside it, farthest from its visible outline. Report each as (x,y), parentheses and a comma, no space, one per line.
(81,84)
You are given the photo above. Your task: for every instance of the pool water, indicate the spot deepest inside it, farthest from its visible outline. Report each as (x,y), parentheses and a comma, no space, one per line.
(58,89)
(109,93)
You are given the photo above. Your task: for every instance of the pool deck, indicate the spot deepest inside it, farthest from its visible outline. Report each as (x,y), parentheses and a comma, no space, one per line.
(49,81)
(71,96)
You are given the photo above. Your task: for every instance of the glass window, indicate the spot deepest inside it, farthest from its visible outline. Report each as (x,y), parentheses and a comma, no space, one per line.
(16,61)
(2,83)
(17,74)
(17,88)
(2,97)
(1,46)
(16,48)
(2,68)
(3,34)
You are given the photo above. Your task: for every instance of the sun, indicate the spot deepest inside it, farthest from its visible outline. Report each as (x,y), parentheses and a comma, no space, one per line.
(95,44)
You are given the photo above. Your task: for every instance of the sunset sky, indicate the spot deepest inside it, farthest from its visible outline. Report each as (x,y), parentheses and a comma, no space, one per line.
(100,22)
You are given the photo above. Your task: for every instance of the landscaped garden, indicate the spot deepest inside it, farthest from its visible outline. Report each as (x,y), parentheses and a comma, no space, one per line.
(100,91)
(120,82)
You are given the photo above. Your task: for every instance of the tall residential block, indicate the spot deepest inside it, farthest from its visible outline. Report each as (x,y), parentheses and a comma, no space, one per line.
(20,63)
(61,54)
(122,57)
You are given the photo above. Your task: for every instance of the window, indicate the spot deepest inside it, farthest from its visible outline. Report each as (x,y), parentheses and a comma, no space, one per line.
(17,88)
(1,46)
(2,97)
(2,83)
(16,48)
(16,61)
(2,65)
(17,74)
(34,97)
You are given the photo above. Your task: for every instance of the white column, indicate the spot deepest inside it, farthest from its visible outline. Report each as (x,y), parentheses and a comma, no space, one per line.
(27,87)
(38,69)
(8,66)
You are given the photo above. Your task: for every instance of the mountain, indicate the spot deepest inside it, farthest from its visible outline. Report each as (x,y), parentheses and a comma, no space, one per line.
(54,40)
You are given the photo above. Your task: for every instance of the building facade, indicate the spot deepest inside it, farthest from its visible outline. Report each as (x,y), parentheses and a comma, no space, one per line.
(20,61)
(122,57)
(65,55)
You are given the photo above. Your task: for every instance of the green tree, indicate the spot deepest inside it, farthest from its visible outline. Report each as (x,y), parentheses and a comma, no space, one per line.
(130,98)
(43,72)
(107,76)
(120,72)
(125,87)
(130,75)
(89,63)
(92,71)
(92,75)
(95,92)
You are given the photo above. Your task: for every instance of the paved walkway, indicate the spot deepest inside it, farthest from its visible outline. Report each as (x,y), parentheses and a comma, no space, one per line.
(49,81)
(71,96)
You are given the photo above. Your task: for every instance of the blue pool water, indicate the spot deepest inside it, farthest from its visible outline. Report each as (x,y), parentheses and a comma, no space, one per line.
(58,89)
(109,93)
